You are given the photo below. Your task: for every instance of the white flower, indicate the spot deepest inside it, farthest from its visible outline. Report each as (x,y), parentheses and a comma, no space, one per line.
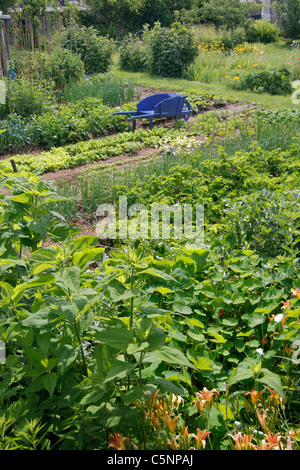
(260,351)
(279,318)
(177,399)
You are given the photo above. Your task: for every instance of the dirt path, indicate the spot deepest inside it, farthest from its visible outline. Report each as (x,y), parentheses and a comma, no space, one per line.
(120,160)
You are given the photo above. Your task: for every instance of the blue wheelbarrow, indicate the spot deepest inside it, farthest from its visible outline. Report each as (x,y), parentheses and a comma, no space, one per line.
(162,105)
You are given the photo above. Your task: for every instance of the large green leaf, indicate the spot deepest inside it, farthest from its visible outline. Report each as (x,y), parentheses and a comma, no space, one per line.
(239,375)
(182,308)
(69,279)
(200,256)
(86,257)
(49,381)
(173,356)
(40,319)
(271,380)
(118,338)
(157,273)
(119,370)
(67,355)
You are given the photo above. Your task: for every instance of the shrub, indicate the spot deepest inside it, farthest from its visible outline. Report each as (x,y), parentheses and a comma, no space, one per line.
(94,50)
(62,66)
(134,54)
(172,49)
(275,81)
(261,31)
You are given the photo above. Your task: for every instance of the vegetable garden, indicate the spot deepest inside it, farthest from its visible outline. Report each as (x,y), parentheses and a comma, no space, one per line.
(141,343)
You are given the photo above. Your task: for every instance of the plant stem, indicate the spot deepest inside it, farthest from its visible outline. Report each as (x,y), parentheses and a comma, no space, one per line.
(81,348)
(131,300)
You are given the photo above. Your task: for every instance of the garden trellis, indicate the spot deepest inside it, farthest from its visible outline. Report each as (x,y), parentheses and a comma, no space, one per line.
(6,61)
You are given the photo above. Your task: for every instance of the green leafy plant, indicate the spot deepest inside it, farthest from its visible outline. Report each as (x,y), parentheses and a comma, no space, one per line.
(26,98)
(275,82)
(172,49)
(95,50)
(134,54)
(262,31)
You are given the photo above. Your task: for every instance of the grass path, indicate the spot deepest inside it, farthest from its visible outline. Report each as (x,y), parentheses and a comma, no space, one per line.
(218,89)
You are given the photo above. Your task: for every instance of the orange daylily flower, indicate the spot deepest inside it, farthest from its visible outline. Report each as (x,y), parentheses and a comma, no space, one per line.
(153,418)
(200,438)
(264,445)
(254,396)
(275,399)
(118,441)
(205,398)
(274,440)
(296,292)
(242,442)
(262,420)
(175,445)
(286,305)
(170,422)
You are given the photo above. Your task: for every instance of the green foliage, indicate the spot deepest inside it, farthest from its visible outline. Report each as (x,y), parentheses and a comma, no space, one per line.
(83,119)
(172,49)
(123,17)
(87,348)
(95,50)
(262,31)
(111,90)
(229,13)
(275,81)
(289,11)
(60,66)
(70,123)
(26,98)
(6,4)
(134,54)
(87,152)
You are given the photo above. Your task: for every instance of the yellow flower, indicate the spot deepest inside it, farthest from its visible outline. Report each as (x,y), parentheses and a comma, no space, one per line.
(255,65)
(236,78)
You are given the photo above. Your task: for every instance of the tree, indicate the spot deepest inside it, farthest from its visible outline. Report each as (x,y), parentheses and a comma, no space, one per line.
(5,5)
(229,13)
(289,12)
(131,15)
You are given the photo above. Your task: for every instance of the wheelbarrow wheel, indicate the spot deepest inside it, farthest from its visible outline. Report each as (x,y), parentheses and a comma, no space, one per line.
(186,107)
